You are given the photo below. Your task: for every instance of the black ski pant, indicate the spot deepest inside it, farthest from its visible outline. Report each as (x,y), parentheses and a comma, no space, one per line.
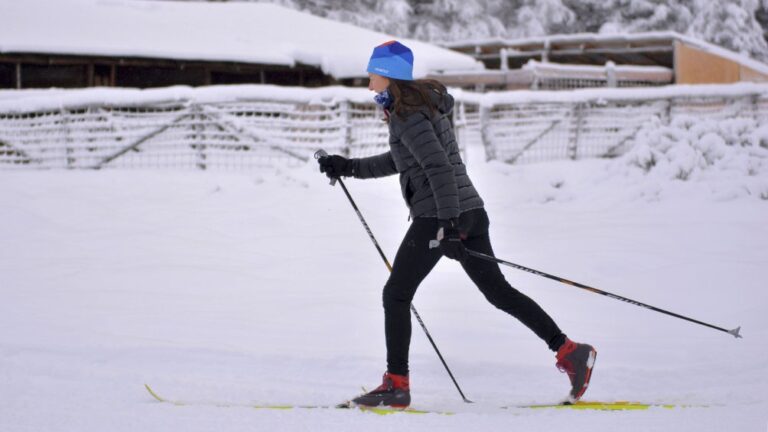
(414,261)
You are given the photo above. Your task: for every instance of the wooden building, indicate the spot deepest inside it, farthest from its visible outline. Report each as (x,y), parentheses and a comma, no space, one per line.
(595,60)
(38,70)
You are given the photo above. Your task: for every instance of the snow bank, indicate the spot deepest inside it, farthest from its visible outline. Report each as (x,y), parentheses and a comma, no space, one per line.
(729,155)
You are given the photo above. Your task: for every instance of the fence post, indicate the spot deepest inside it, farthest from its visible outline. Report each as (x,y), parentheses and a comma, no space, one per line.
(459,121)
(578,119)
(18,76)
(485,136)
(668,111)
(67,134)
(346,127)
(199,136)
(755,108)
(610,74)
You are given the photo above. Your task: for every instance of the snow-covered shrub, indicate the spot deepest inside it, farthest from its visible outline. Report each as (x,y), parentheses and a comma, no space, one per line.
(732,154)
(760,137)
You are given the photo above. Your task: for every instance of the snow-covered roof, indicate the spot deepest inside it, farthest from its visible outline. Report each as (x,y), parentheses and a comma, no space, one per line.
(559,69)
(259,33)
(599,38)
(568,38)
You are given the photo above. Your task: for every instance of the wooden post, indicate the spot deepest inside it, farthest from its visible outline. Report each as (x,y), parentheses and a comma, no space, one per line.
(755,107)
(610,74)
(504,59)
(459,122)
(578,119)
(69,159)
(667,114)
(485,115)
(199,138)
(91,73)
(346,128)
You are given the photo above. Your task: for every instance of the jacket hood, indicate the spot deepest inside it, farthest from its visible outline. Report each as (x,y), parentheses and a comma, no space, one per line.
(443,101)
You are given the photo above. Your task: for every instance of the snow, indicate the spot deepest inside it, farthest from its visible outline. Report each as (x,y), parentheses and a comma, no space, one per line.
(644,93)
(236,32)
(264,288)
(18,101)
(589,71)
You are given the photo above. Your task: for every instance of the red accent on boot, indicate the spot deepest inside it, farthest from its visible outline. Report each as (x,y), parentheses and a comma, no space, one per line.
(393,381)
(566,348)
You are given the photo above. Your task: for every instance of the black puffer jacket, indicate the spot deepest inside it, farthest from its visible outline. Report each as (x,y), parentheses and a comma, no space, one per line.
(424,151)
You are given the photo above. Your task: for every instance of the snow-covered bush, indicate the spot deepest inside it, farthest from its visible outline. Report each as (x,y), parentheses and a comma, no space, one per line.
(732,154)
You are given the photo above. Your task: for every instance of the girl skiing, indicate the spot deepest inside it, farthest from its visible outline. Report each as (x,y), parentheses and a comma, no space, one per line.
(444,205)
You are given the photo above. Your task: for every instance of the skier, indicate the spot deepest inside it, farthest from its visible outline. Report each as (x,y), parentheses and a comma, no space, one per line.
(444,205)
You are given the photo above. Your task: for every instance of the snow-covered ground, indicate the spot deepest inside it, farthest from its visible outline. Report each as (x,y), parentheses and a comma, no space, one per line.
(264,288)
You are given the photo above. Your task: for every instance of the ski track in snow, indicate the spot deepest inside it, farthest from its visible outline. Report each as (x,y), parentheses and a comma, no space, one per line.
(259,288)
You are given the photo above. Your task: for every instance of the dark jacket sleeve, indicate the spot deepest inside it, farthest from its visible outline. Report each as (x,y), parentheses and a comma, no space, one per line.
(420,139)
(374,166)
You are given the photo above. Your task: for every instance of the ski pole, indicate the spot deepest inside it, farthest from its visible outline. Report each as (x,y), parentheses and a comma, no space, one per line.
(318,155)
(734,332)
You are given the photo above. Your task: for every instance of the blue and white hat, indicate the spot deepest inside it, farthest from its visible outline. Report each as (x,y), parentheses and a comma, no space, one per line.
(392,60)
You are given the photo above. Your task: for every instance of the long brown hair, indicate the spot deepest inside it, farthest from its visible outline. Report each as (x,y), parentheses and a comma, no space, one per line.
(411,96)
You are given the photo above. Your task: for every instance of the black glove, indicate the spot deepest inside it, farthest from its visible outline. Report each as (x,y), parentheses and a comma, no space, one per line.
(450,240)
(335,166)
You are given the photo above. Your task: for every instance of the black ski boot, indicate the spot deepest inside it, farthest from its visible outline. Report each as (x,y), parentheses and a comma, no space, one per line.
(394,392)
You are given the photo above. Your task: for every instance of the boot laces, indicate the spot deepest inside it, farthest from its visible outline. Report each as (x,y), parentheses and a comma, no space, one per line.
(565,366)
(385,386)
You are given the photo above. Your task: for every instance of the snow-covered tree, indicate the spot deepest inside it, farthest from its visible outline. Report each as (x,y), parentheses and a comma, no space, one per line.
(731,24)
(542,17)
(448,20)
(592,14)
(762,17)
(656,15)
(387,16)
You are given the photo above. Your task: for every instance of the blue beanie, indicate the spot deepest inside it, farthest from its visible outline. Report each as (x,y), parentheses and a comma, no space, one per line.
(392,60)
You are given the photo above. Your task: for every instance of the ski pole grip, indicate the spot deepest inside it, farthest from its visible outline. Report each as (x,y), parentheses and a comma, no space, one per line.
(321,153)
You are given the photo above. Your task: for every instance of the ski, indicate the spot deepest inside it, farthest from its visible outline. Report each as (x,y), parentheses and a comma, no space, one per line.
(603,406)
(345,405)
(349,405)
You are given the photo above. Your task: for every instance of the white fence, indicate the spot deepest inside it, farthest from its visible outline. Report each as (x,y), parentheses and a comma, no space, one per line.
(520,127)
(250,127)
(257,126)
